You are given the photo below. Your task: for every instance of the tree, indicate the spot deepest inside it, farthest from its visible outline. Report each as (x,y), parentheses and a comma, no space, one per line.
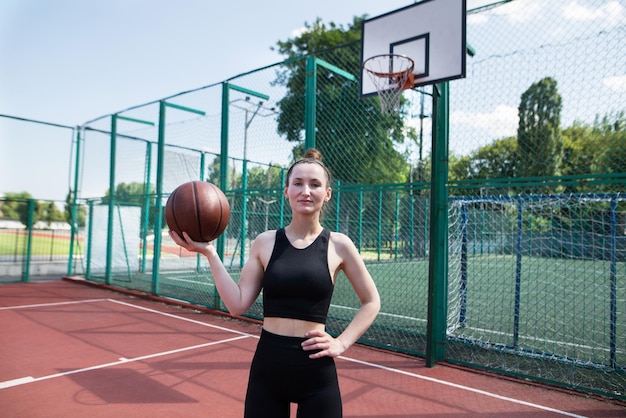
(129,193)
(213,175)
(16,206)
(264,178)
(357,143)
(611,147)
(539,142)
(580,146)
(134,194)
(594,149)
(495,160)
(49,213)
(81,211)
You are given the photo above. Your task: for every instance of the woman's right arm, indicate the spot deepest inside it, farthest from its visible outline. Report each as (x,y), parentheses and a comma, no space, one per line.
(237,296)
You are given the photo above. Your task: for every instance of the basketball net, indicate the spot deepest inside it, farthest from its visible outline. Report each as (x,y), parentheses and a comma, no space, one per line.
(390,74)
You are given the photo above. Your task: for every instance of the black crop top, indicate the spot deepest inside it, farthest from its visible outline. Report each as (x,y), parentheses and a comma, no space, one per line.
(297,283)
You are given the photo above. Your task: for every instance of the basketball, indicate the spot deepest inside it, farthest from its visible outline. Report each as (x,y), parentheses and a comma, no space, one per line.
(198,208)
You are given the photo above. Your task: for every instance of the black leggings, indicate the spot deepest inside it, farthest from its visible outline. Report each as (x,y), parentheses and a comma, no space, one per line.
(282,372)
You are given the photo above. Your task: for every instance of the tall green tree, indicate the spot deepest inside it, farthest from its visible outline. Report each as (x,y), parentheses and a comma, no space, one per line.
(357,142)
(539,141)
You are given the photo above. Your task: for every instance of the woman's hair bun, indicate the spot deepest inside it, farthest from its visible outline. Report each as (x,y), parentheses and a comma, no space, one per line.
(313,153)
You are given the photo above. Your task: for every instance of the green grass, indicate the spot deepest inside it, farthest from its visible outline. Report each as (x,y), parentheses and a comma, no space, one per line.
(564,306)
(43,243)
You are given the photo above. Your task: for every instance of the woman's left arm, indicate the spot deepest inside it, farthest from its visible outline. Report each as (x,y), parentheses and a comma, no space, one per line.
(353,266)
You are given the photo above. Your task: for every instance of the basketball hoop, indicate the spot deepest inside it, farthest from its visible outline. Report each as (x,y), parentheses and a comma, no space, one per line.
(390,74)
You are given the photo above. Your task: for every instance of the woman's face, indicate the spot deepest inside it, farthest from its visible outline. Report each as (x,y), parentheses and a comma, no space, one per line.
(307,190)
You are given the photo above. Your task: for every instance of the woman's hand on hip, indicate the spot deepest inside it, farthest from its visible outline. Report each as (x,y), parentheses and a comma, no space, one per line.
(326,345)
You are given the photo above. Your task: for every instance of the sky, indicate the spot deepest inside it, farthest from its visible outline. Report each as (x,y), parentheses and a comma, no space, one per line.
(58,55)
(70,61)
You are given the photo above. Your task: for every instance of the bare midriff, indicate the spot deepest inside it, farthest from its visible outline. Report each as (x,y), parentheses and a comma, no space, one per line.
(290,327)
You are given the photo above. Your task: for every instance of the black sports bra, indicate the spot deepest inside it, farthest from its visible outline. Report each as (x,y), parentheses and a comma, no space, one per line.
(297,283)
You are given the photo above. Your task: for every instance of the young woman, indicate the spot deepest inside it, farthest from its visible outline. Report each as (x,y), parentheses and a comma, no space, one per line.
(296,267)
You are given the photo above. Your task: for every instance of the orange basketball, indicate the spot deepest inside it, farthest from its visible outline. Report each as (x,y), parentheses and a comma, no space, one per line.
(198,208)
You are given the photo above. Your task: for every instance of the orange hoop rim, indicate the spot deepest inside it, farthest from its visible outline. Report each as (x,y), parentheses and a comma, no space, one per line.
(390,75)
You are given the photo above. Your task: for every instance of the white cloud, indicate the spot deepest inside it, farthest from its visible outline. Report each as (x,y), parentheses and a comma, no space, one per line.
(415,124)
(520,11)
(617,83)
(611,12)
(501,122)
(476,4)
(299,31)
(575,11)
(515,11)
(477,19)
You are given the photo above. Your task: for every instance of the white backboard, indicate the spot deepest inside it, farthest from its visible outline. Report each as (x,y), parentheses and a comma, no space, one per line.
(431,32)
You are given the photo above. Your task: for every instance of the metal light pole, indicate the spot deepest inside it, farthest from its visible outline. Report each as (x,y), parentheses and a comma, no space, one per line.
(250,111)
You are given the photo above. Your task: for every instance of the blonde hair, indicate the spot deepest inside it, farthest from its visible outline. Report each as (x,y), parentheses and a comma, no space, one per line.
(311,156)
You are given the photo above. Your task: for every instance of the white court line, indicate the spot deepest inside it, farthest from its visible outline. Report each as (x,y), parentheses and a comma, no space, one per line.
(16,382)
(40,305)
(193,321)
(409,318)
(29,379)
(202,283)
(543,340)
(462,387)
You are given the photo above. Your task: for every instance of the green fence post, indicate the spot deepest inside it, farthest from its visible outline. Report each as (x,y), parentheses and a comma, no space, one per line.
(360,239)
(310,103)
(281,205)
(396,226)
(310,96)
(146,207)
(425,231)
(337,197)
(221,243)
(613,304)
(158,221)
(438,268)
(412,225)
(111,203)
(73,208)
(202,178)
(379,231)
(89,242)
(29,241)
(158,201)
(244,212)
(243,232)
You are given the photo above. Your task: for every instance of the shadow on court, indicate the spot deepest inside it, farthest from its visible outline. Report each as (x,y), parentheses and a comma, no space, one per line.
(82,351)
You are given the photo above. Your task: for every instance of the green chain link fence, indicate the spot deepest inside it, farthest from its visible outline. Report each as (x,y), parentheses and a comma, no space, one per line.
(536,224)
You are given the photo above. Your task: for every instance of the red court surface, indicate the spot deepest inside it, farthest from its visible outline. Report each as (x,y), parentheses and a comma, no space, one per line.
(70,350)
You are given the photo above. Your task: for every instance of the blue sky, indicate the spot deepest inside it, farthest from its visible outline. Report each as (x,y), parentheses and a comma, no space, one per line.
(70,61)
